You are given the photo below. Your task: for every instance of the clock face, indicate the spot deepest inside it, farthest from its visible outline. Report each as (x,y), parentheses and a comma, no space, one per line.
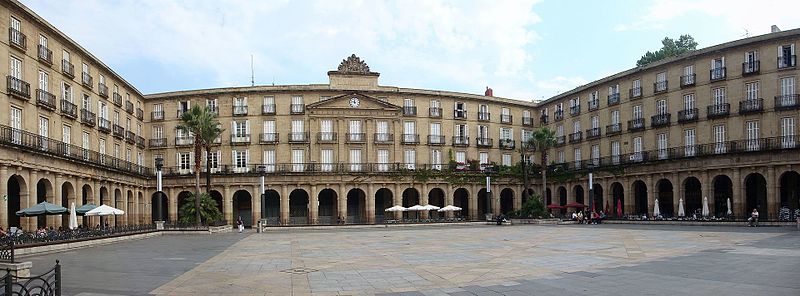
(354,102)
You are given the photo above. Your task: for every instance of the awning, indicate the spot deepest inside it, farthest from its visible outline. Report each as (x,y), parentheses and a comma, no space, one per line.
(43,208)
(575,205)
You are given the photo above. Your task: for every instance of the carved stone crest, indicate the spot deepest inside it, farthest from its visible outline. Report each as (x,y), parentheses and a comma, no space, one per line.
(353,65)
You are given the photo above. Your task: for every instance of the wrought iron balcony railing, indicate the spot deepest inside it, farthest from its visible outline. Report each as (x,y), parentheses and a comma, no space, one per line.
(299,137)
(104,125)
(719,110)
(636,124)
(410,139)
(614,128)
(460,141)
(506,118)
(383,138)
(18,87)
(688,115)
(787,102)
(268,109)
(507,144)
(435,140)
(157,115)
(575,137)
(717,74)
(355,138)
(240,110)
(88,117)
(44,54)
(117,131)
(575,110)
(297,109)
(484,116)
(69,109)
(158,143)
(785,62)
(409,111)
(17,39)
(269,138)
(593,133)
(594,105)
(68,69)
(660,120)
(484,142)
(751,67)
(435,112)
(102,90)
(327,137)
(660,87)
(688,80)
(613,99)
(116,98)
(240,139)
(751,106)
(46,99)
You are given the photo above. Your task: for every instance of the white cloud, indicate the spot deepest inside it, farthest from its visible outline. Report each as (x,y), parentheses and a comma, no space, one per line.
(737,15)
(452,45)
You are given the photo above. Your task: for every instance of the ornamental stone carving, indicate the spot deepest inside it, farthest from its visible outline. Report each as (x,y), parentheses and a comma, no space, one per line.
(353,65)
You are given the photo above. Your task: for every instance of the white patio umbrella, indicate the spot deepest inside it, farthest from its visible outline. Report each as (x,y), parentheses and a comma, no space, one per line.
(395,209)
(681,212)
(449,208)
(705,206)
(105,210)
(656,211)
(431,207)
(729,207)
(73,217)
(416,208)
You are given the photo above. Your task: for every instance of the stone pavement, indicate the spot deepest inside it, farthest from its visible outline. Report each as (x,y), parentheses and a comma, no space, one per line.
(508,260)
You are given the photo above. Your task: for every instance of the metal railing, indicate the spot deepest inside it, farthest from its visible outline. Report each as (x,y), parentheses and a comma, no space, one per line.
(559,115)
(660,86)
(158,143)
(104,125)
(17,39)
(87,80)
(45,284)
(130,137)
(460,141)
(751,106)
(527,121)
(269,138)
(383,138)
(140,113)
(594,104)
(117,131)
(460,114)
(129,107)
(435,112)
(507,144)
(268,109)
(297,109)
(18,87)
(717,74)
(787,102)
(635,93)
(45,54)
(575,137)
(69,109)
(102,90)
(410,139)
(184,141)
(688,115)
(613,99)
(45,99)
(68,68)
(561,140)
(719,110)
(636,124)
(659,120)
(301,137)
(116,98)
(614,128)
(543,119)
(157,115)
(688,80)
(593,133)
(751,67)
(356,137)
(327,137)
(409,111)
(140,142)
(240,110)
(88,117)
(789,61)
(435,140)
(484,142)
(506,118)
(575,110)
(484,116)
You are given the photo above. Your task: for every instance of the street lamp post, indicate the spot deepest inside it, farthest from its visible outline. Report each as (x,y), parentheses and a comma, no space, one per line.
(159,191)
(591,189)
(488,171)
(262,171)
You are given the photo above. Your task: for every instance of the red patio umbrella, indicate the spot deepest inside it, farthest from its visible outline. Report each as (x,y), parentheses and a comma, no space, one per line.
(619,208)
(554,207)
(575,205)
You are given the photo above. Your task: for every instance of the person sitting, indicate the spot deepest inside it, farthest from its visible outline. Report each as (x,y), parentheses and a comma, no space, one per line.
(753,218)
(574,216)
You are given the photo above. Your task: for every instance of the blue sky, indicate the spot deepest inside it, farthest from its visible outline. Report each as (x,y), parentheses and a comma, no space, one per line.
(522,49)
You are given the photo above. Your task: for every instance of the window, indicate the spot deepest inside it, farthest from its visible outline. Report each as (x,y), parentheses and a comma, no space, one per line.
(298,132)
(461,158)
(269,160)
(718,68)
(16,124)
(688,75)
(383,160)
(637,111)
(298,158)
(483,159)
(787,132)
(101,144)
(460,110)
(436,159)
(297,104)
(158,132)
(661,82)
(128,155)
(183,106)
(44,80)
(16,68)
(213,160)
(615,152)
(435,109)
(382,131)
(688,102)
(506,134)
(576,126)
(102,108)
(636,90)
(184,162)
(85,146)
(66,135)
(355,160)
(326,130)
(719,96)
(44,131)
(269,105)
(436,133)
(268,130)
(86,103)
(752,135)
(596,155)
(460,134)
(787,88)
(689,142)
(786,56)
(483,112)
(661,139)
(355,131)
(750,59)
(751,91)
(661,107)
(595,122)
(637,149)
(16,34)
(240,160)
(240,102)
(559,131)
(719,139)
(116,117)
(561,158)
(505,115)
(506,160)
(409,132)
(410,157)
(211,104)
(615,117)
(326,160)
(66,92)
(577,158)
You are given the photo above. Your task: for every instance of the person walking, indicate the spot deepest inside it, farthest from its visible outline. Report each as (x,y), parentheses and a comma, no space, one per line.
(240,224)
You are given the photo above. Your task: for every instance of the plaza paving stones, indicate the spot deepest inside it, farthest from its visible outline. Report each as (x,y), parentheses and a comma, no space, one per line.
(435,260)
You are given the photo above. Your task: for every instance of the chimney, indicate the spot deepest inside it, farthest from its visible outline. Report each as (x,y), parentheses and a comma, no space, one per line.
(775,29)
(488,92)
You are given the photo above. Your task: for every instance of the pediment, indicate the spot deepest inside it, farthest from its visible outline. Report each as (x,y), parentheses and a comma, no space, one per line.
(364,102)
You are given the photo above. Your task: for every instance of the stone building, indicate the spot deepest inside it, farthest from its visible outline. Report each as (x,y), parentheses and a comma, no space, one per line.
(346,150)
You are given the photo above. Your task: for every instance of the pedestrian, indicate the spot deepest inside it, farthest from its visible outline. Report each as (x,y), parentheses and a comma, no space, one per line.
(753,218)
(240,224)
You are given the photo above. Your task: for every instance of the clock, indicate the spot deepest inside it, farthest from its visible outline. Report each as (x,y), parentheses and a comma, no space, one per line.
(354,102)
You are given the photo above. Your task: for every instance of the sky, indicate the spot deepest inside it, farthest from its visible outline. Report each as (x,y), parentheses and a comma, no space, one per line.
(525,49)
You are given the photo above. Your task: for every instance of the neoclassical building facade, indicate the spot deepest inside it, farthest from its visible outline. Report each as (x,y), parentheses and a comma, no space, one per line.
(348,149)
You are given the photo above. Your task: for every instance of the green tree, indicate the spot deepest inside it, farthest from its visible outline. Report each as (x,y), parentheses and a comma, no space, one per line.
(543,138)
(208,210)
(532,208)
(201,123)
(669,48)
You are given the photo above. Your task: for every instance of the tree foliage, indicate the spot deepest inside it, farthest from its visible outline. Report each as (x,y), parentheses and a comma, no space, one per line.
(202,123)
(532,208)
(669,48)
(209,210)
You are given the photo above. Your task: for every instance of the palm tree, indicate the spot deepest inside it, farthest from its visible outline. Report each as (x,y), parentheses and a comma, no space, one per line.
(543,138)
(201,123)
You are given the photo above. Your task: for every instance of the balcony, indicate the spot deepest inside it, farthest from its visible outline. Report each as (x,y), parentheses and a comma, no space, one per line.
(559,115)
(688,115)
(87,80)
(613,99)
(116,98)
(527,146)
(268,138)
(507,144)
(409,111)
(484,142)
(18,88)
(268,109)
(104,125)
(183,141)
(751,106)
(719,110)
(787,102)
(17,39)
(575,137)
(506,118)
(435,140)
(69,109)
(434,112)
(460,141)
(717,74)
(240,110)
(157,116)
(660,120)
(296,138)
(88,117)
(130,137)
(634,93)
(575,110)
(67,69)
(383,138)
(129,107)
(561,140)
(295,109)
(46,99)
(117,131)
(636,124)
(786,62)
(751,67)
(484,116)
(102,90)
(594,105)
(527,121)
(593,133)
(688,80)
(45,55)
(613,129)
(410,139)
(543,119)
(459,114)
(326,137)
(240,139)
(140,113)
(356,138)
(158,143)
(660,87)
(140,142)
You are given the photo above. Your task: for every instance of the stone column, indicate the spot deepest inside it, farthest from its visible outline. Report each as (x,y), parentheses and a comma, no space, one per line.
(448,200)
(473,204)
(4,196)
(681,192)
(773,193)
(284,204)
(370,201)
(651,196)
(227,204)
(423,200)
(739,202)
(496,200)
(173,204)
(398,200)
(341,202)
(313,208)
(29,224)
(256,204)
(55,221)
